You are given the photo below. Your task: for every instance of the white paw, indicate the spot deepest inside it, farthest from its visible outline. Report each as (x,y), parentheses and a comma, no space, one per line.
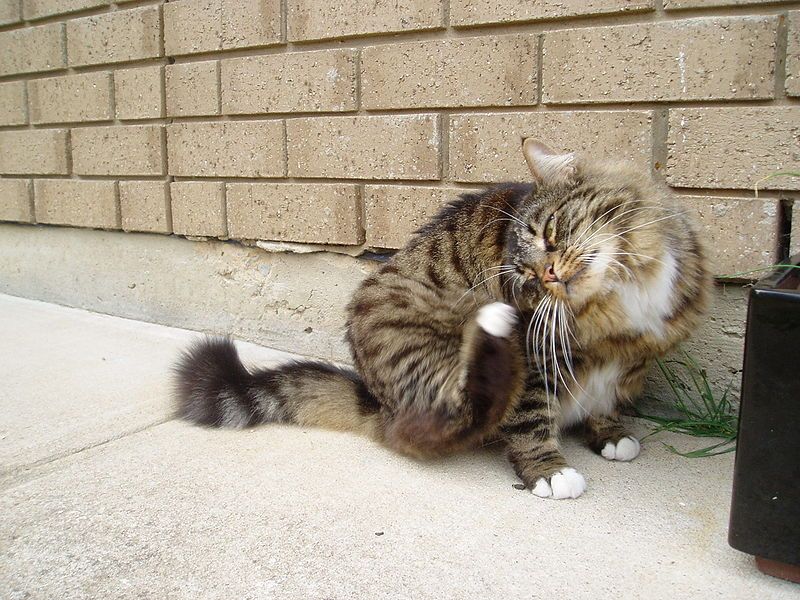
(626,449)
(497,319)
(566,483)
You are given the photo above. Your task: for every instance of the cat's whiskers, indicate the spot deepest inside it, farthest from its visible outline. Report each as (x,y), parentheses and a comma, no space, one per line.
(567,353)
(508,269)
(615,217)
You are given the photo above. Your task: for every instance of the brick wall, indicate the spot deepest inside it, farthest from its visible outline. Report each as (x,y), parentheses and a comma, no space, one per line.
(349,122)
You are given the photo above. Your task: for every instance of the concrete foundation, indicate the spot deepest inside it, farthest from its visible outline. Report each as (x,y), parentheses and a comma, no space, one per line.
(293,302)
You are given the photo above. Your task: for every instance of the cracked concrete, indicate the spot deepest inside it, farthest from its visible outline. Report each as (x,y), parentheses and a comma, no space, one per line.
(105,496)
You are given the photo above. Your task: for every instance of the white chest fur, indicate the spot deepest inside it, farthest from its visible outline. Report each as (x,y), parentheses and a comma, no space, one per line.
(647,303)
(596,395)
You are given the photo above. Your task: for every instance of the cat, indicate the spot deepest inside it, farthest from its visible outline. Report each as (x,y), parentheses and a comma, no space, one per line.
(512,315)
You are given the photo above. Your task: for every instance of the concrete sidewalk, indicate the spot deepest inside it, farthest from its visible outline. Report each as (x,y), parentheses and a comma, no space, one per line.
(104,495)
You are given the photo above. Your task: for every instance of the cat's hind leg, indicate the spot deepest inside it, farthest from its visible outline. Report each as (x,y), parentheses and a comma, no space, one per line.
(608,437)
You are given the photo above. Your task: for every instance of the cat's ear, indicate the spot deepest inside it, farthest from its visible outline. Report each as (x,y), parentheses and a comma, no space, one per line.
(547,166)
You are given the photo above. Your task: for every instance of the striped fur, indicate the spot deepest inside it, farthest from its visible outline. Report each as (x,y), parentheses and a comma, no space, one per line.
(604,273)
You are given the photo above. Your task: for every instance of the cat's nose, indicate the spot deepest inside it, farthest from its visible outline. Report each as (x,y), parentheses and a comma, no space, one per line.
(550,274)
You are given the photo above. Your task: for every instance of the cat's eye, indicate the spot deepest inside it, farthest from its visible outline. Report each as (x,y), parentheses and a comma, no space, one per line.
(549,228)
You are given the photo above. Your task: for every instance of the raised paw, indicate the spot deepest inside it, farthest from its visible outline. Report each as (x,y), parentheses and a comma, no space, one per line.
(624,450)
(497,319)
(564,483)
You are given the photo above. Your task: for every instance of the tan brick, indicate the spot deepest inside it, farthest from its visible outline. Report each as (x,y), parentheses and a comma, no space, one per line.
(115,37)
(15,200)
(679,4)
(473,12)
(192,26)
(492,70)
(192,89)
(32,49)
(280,211)
(118,150)
(198,208)
(138,93)
(313,20)
(394,212)
(678,60)
(386,147)
(733,147)
(145,206)
(794,237)
(37,9)
(34,151)
(9,12)
(84,97)
(74,202)
(226,149)
(12,103)
(793,55)
(297,82)
(739,233)
(488,147)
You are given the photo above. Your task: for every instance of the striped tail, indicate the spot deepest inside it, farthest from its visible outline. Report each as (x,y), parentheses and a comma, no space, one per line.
(215,389)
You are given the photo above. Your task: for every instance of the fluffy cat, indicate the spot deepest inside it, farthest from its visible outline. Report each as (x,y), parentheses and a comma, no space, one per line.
(512,315)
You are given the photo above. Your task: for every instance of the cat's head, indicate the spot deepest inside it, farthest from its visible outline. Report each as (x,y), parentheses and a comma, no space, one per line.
(587,228)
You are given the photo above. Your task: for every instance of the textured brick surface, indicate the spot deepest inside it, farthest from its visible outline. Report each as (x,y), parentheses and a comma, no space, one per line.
(487,148)
(192,89)
(227,149)
(394,212)
(36,9)
(471,12)
(12,103)
(301,82)
(145,206)
(793,55)
(15,200)
(733,147)
(85,97)
(138,93)
(9,12)
(679,60)
(33,49)
(794,239)
(192,26)
(312,20)
(198,208)
(493,70)
(41,152)
(280,211)
(79,203)
(124,150)
(740,233)
(390,147)
(115,37)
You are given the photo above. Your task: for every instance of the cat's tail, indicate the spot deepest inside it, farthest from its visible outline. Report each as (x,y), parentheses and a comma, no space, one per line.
(215,389)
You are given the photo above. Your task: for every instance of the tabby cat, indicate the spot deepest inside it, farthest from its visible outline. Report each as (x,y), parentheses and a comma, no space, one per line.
(512,315)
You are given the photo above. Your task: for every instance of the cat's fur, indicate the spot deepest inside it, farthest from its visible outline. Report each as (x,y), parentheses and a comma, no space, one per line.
(511,315)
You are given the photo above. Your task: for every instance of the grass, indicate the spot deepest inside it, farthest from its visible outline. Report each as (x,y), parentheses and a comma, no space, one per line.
(700,411)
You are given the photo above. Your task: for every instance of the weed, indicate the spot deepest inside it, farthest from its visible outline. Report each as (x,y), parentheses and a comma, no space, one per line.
(700,412)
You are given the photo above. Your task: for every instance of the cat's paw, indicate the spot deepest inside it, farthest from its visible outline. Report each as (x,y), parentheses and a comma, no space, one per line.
(564,483)
(497,319)
(624,450)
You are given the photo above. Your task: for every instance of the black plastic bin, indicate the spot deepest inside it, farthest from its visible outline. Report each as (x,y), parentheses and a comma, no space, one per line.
(765,510)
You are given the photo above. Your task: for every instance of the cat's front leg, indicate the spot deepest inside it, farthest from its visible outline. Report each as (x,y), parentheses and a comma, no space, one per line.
(533,449)
(607,436)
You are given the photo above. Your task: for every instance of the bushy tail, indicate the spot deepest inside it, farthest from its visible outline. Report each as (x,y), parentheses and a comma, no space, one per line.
(215,389)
